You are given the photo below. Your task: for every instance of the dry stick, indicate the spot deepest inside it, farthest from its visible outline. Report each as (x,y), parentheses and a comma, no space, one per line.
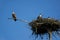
(20,20)
(41,37)
(50,35)
(36,29)
(23,20)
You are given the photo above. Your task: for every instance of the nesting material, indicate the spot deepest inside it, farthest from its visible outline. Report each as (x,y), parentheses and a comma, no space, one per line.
(42,26)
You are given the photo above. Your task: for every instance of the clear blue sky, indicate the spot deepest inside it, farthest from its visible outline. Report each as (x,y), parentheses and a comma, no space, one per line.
(27,10)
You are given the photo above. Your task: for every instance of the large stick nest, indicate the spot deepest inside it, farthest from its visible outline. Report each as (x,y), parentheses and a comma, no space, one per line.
(44,25)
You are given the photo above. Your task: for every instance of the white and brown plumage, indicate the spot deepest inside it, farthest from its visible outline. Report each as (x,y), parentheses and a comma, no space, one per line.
(14,16)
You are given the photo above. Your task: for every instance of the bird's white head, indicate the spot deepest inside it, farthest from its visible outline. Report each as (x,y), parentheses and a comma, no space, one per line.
(13,12)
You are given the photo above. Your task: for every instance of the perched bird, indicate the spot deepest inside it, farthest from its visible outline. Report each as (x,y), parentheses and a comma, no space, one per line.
(14,16)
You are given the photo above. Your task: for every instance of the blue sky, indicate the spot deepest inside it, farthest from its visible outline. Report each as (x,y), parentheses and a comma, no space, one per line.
(27,10)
